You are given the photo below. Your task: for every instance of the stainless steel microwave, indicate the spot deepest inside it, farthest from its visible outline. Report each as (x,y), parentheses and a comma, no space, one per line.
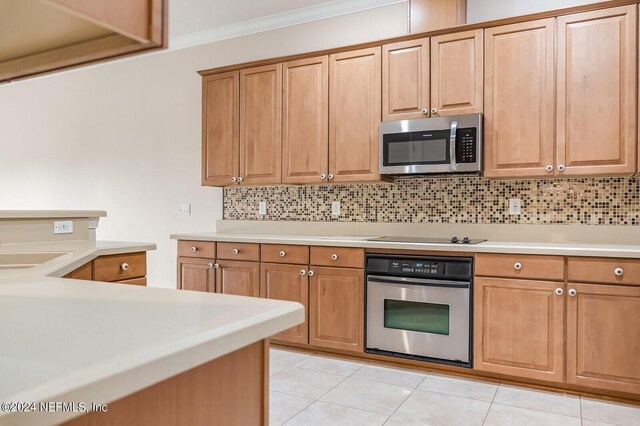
(431,145)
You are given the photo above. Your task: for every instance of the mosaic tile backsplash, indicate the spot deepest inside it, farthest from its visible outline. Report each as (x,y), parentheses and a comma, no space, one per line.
(472,200)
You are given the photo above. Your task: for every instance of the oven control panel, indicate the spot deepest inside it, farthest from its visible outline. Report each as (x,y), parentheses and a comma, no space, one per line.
(420,267)
(416,267)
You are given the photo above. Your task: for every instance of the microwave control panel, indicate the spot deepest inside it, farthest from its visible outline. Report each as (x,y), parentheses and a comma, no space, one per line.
(466,145)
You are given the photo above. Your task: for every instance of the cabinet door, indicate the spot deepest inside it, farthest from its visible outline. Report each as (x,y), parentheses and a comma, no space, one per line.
(603,337)
(519,99)
(519,328)
(239,278)
(354,115)
(405,80)
(196,274)
(287,282)
(597,92)
(336,308)
(220,128)
(305,133)
(260,125)
(457,73)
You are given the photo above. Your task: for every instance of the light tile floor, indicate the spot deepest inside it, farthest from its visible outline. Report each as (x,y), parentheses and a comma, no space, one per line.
(310,389)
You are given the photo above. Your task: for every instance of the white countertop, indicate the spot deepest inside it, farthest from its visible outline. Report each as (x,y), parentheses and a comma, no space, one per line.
(45,214)
(73,340)
(560,249)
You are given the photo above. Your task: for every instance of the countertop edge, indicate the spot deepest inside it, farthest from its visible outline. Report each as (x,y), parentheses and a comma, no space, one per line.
(558,249)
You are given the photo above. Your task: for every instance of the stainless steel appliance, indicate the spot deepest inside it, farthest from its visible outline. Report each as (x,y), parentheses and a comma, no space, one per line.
(431,145)
(419,307)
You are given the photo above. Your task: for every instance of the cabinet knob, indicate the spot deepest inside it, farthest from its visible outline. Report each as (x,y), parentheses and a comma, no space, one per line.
(561,167)
(425,111)
(323,176)
(517,266)
(434,110)
(234,179)
(334,256)
(549,168)
(559,291)
(330,176)
(283,253)
(194,248)
(210,265)
(311,273)
(216,266)
(302,272)
(240,179)
(235,251)
(618,271)
(572,292)
(124,266)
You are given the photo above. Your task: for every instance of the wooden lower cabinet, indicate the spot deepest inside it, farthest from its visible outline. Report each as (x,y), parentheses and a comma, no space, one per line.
(239,278)
(603,337)
(519,328)
(123,268)
(196,274)
(336,308)
(287,282)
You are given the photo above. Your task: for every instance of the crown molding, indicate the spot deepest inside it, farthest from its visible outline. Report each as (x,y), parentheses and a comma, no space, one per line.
(280,20)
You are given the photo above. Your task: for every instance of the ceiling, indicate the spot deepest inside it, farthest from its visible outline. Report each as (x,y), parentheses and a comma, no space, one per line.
(190,16)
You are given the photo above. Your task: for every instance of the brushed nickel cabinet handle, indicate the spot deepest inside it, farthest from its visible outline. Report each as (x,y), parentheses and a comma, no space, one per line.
(124,266)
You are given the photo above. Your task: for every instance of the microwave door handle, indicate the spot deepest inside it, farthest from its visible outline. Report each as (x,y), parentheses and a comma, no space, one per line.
(452,145)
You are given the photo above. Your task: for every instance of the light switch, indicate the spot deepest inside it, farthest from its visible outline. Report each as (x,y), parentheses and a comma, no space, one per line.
(262,208)
(515,205)
(335,208)
(184,208)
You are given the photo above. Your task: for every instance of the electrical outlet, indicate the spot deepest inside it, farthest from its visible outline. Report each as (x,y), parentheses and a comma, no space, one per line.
(262,208)
(184,208)
(515,205)
(63,227)
(335,208)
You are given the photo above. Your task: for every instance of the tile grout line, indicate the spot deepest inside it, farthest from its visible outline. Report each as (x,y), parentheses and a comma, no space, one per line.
(491,403)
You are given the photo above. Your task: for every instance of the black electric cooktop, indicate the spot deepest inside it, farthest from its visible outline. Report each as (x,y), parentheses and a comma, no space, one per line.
(427,240)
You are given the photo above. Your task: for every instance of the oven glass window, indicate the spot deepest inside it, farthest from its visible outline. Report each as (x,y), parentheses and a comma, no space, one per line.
(416,316)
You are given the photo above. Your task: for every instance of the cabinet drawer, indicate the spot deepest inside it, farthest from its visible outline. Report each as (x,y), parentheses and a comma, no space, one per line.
(337,256)
(120,267)
(606,271)
(238,251)
(520,266)
(277,253)
(202,249)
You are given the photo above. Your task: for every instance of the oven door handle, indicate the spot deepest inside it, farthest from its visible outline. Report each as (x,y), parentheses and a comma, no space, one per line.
(418,281)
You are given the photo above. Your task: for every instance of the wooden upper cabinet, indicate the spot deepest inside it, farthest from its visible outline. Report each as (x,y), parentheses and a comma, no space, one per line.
(220,128)
(336,308)
(457,73)
(405,80)
(305,132)
(354,115)
(603,337)
(519,99)
(597,92)
(519,328)
(261,125)
(239,278)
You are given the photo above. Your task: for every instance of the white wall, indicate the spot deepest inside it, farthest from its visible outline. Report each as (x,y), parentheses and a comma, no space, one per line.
(488,10)
(125,136)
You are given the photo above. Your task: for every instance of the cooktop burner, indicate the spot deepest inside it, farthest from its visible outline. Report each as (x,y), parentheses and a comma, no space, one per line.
(427,240)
